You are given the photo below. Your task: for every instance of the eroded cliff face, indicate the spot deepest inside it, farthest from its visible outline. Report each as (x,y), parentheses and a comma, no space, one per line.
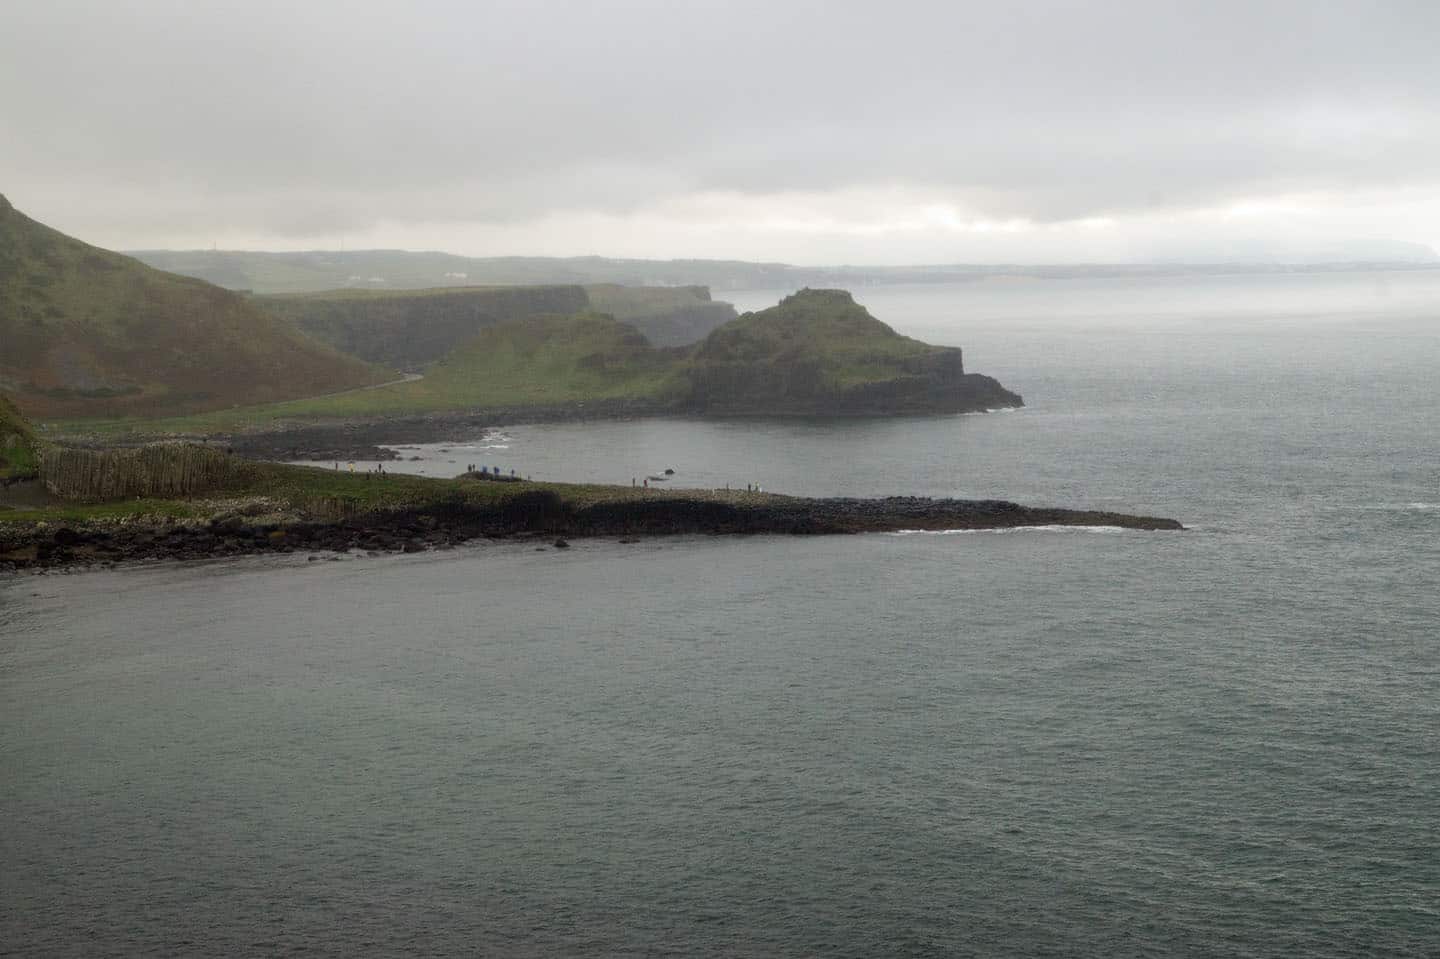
(410,330)
(801,387)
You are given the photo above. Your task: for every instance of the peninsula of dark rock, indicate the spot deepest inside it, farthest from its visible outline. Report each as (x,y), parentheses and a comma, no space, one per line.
(545,513)
(179,501)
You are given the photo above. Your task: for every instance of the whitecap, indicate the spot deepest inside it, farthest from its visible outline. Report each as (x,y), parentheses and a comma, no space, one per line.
(1044,528)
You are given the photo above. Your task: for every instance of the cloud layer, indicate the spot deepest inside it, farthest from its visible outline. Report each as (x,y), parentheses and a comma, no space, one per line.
(711,128)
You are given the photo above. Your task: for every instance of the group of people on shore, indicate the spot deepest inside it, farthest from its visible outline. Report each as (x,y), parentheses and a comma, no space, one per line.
(379,468)
(749,487)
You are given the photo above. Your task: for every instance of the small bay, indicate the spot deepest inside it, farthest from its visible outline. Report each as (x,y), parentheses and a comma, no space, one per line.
(1033,742)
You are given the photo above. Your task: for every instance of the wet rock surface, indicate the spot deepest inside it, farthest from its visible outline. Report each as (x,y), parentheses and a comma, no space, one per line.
(534,513)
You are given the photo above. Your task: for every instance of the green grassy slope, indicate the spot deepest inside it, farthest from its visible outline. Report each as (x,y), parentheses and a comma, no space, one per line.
(819,351)
(827,325)
(555,359)
(87,332)
(412,328)
(19,448)
(317,493)
(816,351)
(538,361)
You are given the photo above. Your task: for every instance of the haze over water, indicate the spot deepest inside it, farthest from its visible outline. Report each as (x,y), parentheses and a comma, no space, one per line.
(1043,742)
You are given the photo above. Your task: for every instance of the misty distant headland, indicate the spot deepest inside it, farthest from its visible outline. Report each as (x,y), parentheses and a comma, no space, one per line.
(316,271)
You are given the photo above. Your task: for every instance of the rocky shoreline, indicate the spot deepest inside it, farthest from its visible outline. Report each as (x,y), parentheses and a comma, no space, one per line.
(367,440)
(540,514)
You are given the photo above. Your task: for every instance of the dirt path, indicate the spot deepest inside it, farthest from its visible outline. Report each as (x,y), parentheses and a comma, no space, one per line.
(405,378)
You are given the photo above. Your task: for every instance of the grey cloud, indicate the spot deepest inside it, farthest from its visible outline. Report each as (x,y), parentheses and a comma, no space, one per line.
(313,117)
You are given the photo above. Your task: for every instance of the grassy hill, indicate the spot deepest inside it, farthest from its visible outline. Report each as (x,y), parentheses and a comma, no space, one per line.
(554,359)
(820,352)
(88,332)
(537,361)
(19,449)
(412,328)
(816,353)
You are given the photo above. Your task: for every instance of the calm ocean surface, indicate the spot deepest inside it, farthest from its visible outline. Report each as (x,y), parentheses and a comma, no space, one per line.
(1069,743)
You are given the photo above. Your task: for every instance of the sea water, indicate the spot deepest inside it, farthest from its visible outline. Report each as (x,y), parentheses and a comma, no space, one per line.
(1038,742)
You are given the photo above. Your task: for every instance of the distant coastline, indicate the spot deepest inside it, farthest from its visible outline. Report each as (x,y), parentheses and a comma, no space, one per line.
(395,270)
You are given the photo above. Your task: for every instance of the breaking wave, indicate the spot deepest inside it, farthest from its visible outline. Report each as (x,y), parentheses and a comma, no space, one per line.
(1047,528)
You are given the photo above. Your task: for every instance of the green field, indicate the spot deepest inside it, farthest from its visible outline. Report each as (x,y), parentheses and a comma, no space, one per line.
(19,448)
(543,361)
(316,493)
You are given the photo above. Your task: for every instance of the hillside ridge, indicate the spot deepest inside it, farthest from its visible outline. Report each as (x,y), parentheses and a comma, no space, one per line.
(90,332)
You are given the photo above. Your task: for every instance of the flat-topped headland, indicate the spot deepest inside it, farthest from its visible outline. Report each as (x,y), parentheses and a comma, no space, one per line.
(187,502)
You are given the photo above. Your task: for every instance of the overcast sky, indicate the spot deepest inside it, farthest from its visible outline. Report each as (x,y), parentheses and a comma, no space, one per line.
(809,132)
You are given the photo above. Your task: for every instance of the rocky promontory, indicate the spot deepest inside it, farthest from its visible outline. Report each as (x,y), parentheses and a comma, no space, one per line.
(239,526)
(818,352)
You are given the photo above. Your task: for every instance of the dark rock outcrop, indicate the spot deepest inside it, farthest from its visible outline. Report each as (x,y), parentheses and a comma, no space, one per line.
(539,512)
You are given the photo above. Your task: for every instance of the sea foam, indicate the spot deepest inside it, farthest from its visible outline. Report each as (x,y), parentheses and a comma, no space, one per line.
(1044,528)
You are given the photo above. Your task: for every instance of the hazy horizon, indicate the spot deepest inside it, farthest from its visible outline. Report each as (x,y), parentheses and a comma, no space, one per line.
(805,133)
(1424,257)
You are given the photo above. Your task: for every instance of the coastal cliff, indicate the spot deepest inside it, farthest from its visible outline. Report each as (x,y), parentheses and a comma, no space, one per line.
(819,352)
